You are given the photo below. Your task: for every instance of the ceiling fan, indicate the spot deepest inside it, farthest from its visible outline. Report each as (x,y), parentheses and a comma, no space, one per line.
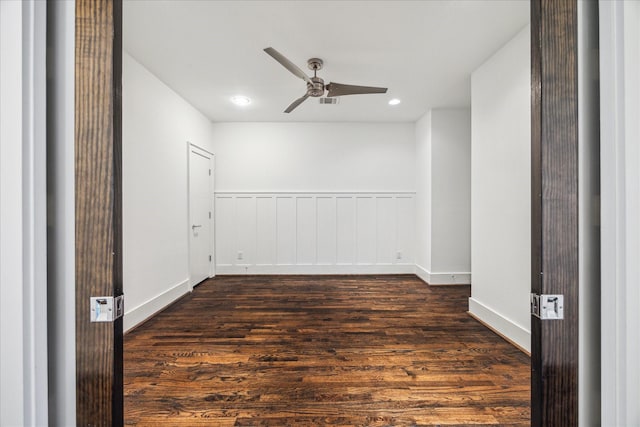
(315,85)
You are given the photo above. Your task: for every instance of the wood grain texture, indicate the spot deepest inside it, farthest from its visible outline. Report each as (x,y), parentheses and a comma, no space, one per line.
(536,209)
(320,351)
(555,213)
(98,208)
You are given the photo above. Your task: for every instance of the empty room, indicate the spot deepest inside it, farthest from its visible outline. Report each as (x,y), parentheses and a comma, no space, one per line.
(315,258)
(319,213)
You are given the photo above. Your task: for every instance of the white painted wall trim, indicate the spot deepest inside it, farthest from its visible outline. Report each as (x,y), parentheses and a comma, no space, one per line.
(620,210)
(315,269)
(443,278)
(293,193)
(517,333)
(23,258)
(314,233)
(144,311)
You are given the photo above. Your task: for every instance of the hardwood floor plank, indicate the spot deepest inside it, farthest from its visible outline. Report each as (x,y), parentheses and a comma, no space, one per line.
(320,351)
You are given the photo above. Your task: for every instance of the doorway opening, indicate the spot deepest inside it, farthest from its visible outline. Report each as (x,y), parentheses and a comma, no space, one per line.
(117,70)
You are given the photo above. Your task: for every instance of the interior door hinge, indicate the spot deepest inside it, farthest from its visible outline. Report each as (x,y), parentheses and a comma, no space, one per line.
(209,172)
(209,258)
(547,307)
(209,215)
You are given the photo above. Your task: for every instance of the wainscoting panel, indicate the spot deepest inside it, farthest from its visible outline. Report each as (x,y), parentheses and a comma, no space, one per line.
(314,233)
(326,234)
(366,226)
(266,230)
(246,230)
(346,230)
(386,230)
(225,236)
(405,230)
(286,230)
(306,231)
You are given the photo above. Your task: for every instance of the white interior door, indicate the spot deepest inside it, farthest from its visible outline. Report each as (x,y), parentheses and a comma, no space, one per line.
(200,215)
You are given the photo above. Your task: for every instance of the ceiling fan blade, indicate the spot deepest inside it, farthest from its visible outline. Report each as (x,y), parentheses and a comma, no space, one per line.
(288,64)
(295,103)
(338,89)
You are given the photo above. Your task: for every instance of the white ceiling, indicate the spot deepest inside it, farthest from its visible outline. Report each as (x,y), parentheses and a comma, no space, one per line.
(423,51)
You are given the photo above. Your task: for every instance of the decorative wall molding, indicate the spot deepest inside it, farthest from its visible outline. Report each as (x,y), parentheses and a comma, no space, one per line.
(307,193)
(139,314)
(314,233)
(504,326)
(443,278)
(317,269)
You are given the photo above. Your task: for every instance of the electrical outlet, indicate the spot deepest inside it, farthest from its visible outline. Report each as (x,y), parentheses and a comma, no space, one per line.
(240,255)
(399,255)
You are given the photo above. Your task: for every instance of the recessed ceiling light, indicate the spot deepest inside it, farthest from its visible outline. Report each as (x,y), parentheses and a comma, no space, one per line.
(394,101)
(241,100)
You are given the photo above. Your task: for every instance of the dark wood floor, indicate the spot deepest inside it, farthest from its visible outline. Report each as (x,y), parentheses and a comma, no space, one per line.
(322,351)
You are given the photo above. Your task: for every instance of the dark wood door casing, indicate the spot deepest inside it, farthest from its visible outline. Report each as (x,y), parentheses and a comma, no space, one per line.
(98,208)
(554,216)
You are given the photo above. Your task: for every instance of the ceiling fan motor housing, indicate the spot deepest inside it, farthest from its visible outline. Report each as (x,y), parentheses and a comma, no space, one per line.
(317,88)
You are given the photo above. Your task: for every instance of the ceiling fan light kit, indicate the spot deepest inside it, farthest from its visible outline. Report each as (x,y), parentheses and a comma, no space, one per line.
(329,101)
(315,85)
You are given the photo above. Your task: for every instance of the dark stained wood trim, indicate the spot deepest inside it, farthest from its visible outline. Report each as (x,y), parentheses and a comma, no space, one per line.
(536,209)
(98,181)
(554,143)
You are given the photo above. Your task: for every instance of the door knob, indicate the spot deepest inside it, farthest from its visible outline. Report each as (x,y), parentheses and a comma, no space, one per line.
(193,227)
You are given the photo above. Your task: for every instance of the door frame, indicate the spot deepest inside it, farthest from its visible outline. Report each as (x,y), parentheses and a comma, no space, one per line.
(212,240)
(554,209)
(98,209)
(99,390)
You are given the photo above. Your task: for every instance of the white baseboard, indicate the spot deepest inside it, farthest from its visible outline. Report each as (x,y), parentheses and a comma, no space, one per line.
(511,330)
(147,309)
(451,278)
(316,269)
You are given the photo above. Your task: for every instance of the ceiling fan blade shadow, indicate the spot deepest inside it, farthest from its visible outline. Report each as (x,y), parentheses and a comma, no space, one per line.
(287,64)
(339,89)
(295,103)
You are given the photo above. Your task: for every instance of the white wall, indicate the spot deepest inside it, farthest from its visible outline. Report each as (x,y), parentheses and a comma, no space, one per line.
(423,196)
(500,190)
(620,187)
(157,123)
(23,214)
(443,196)
(451,192)
(312,157)
(318,198)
